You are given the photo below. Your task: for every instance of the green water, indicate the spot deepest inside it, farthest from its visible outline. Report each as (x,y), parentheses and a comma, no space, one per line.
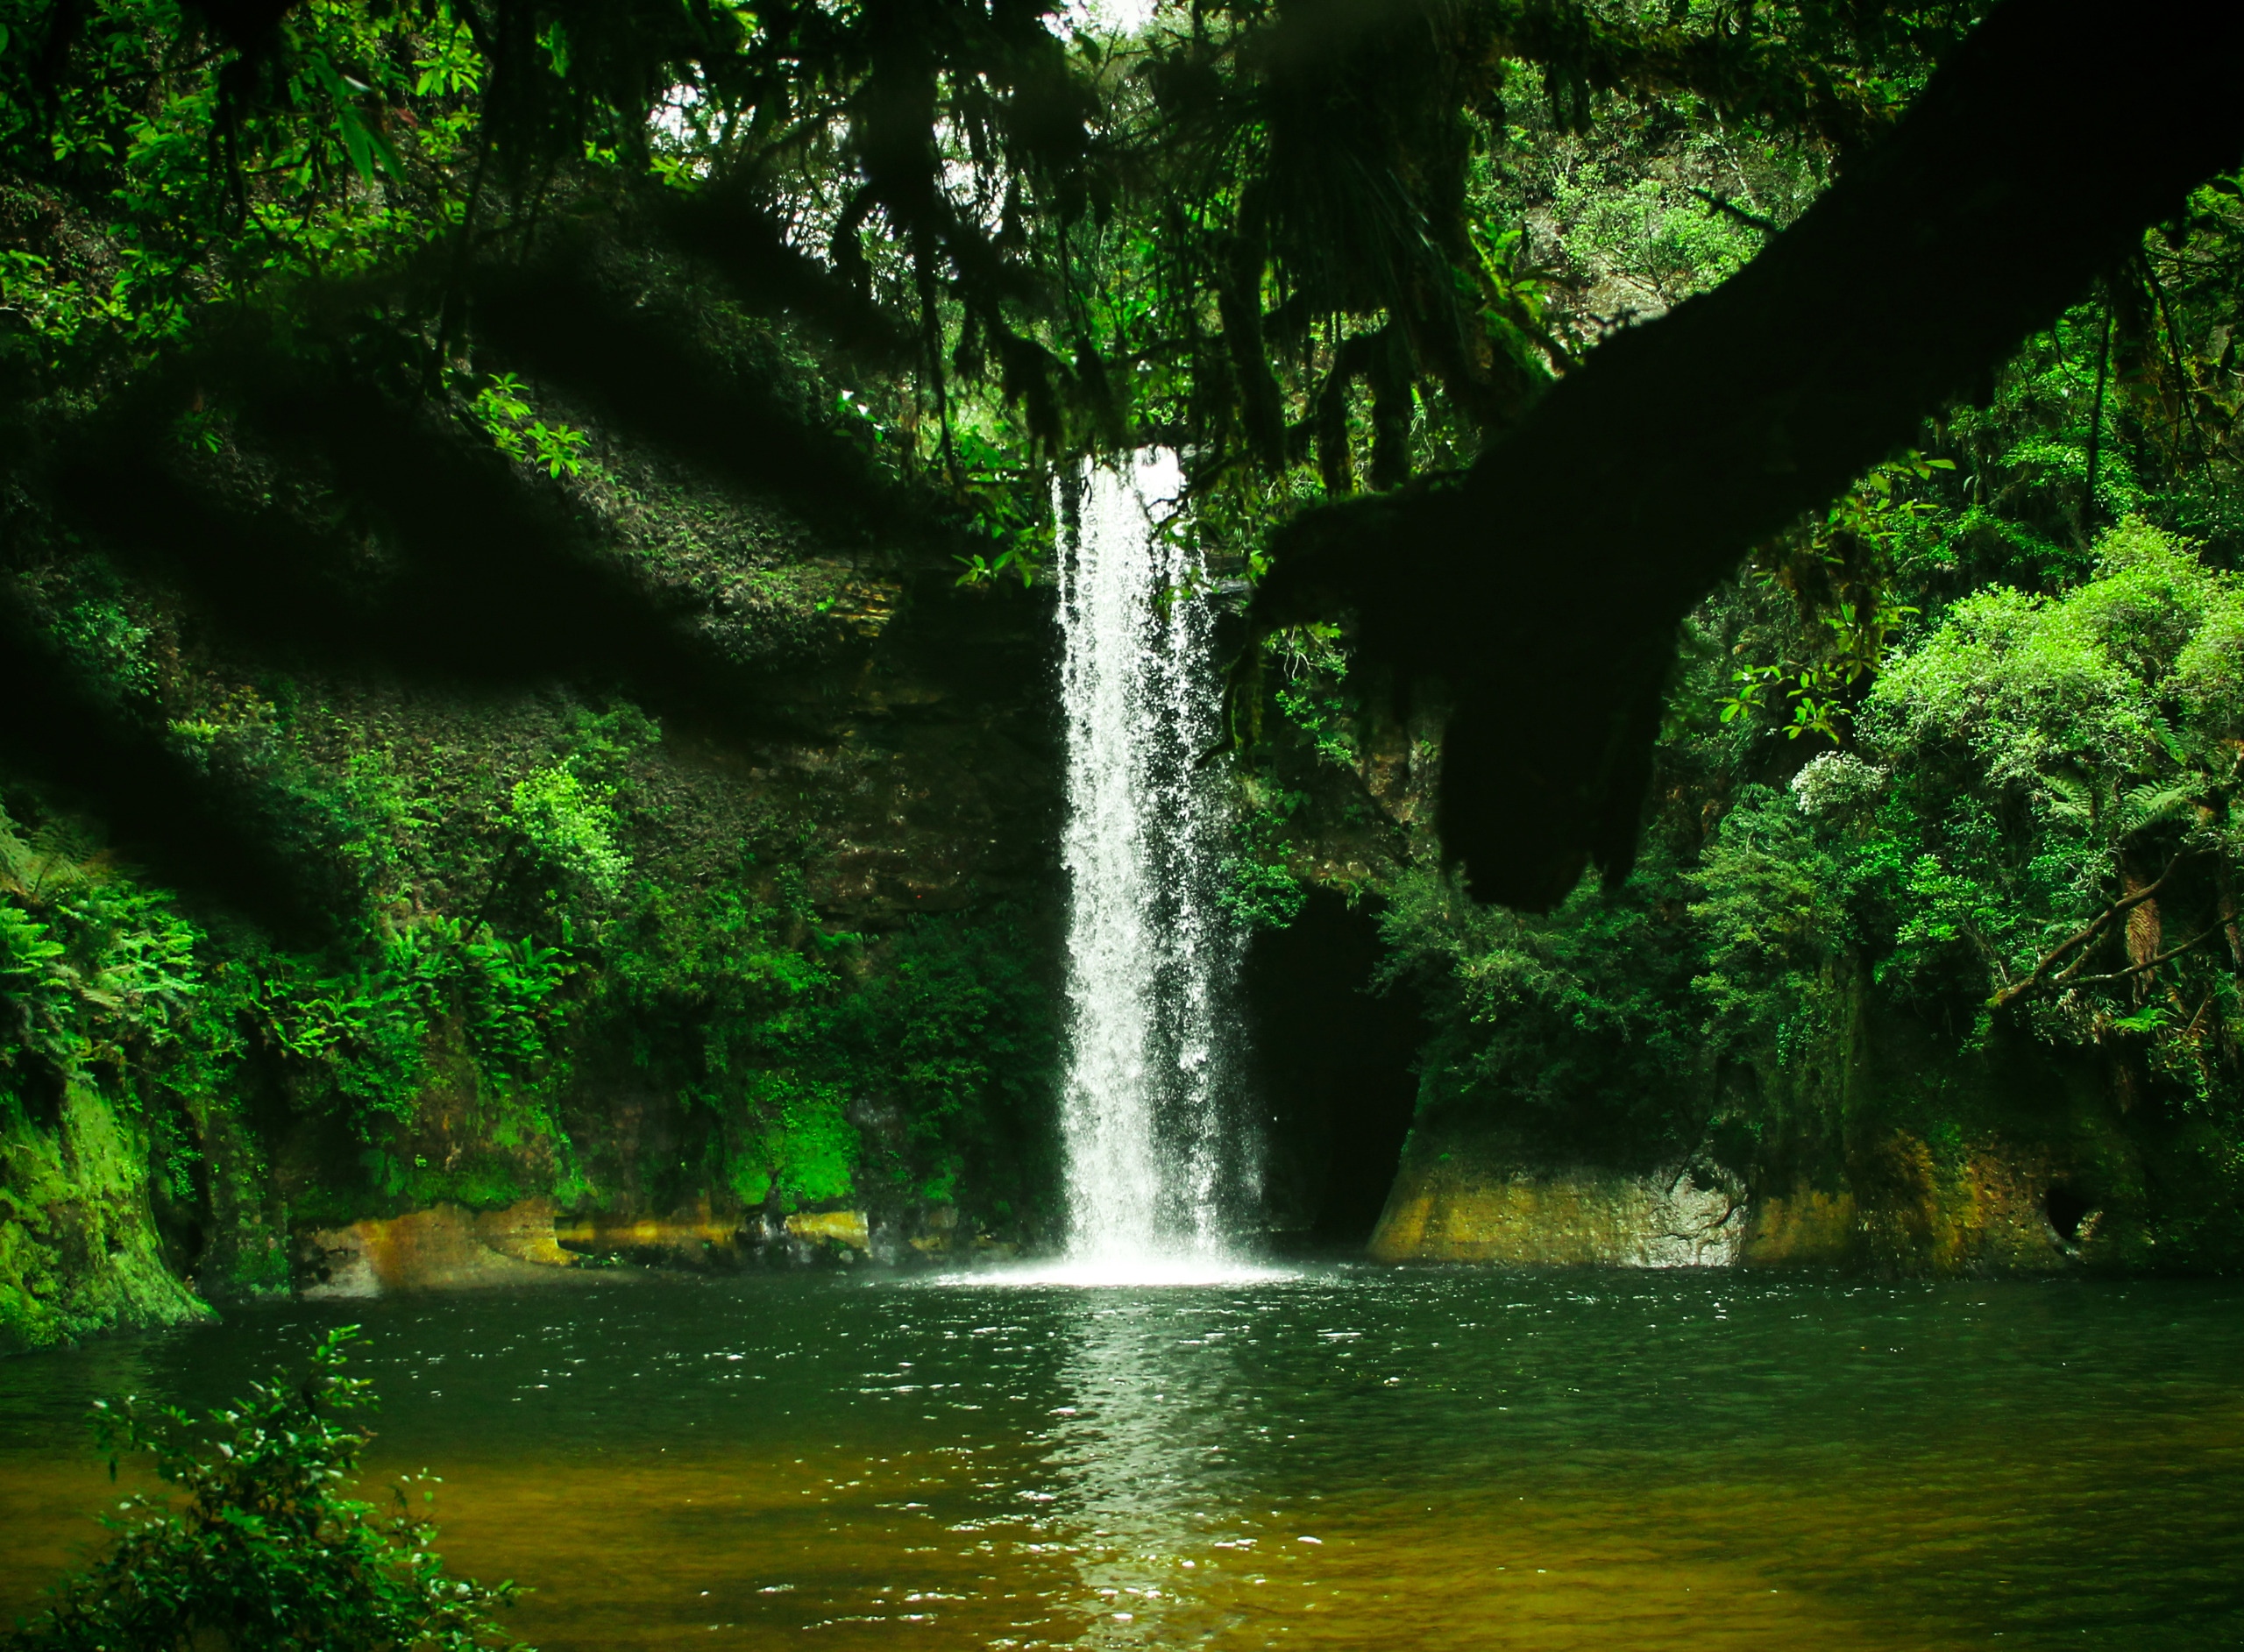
(1348,1458)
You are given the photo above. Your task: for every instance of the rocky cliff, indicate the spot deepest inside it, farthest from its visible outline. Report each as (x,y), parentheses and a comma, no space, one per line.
(596,972)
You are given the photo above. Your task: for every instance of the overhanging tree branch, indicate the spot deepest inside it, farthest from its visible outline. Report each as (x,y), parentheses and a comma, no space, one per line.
(1645,475)
(2149,964)
(2081,937)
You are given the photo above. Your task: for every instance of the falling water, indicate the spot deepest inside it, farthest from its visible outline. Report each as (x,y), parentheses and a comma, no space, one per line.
(1156,1167)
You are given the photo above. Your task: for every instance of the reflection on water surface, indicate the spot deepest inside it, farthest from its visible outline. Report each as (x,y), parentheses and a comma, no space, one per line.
(1346,1458)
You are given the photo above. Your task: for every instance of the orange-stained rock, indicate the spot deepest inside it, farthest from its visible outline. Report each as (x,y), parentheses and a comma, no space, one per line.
(446,1247)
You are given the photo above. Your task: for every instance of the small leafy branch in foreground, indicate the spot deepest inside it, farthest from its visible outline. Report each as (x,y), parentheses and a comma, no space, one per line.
(268,1553)
(515,429)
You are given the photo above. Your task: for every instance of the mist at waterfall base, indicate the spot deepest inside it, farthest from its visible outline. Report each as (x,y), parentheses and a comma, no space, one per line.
(1161,1160)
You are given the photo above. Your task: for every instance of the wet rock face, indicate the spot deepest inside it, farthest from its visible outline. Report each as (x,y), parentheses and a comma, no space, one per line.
(1902,1208)
(906,758)
(908,764)
(924,756)
(448,1247)
(1571,1216)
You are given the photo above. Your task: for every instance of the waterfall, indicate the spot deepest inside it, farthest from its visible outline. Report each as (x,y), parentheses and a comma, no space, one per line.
(1157,1168)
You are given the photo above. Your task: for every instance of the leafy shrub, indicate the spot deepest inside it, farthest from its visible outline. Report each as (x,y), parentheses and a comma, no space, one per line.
(2049,753)
(1255,884)
(1771,914)
(572,826)
(92,963)
(1577,1029)
(268,1553)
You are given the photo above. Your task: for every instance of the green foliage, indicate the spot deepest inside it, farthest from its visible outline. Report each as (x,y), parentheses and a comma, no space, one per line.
(800,1145)
(315,177)
(24,948)
(2035,686)
(1646,229)
(2049,755)
(96,967)
(268,1551)
(922,1064)
(2013,776)
(513,1009)
(104,639)
(957,1032)
(721,995)
(1842,571)
(978,570)
(1257,884)
(1771,918)
(371,1031)
(516,431)
(104,980)
(568,812)
(1083,236)
(1327,713)
(1578,1029)
(570,826)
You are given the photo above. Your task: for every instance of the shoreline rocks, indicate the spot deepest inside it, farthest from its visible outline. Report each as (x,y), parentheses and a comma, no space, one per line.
(1899,1208)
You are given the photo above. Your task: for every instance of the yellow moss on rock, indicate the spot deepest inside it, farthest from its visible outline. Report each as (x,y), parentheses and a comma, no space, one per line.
(1805,1227)
(1980,1209)
(847,1228)
(1573,1216)
(686,1237)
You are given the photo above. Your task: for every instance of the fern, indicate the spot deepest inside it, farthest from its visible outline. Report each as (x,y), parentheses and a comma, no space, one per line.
(2071,800)
(54,862)
(2150,804)
(24,949)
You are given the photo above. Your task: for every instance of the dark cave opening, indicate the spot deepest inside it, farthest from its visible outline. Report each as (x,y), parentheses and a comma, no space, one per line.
(1332,1066)
(2067,1209)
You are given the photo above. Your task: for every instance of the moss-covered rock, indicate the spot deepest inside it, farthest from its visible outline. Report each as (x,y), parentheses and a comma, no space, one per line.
(79,1248)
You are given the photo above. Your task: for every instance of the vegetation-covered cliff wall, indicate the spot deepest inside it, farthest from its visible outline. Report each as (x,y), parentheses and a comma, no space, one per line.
(696,978)
(1928,967)
(1942,986)
(679,975)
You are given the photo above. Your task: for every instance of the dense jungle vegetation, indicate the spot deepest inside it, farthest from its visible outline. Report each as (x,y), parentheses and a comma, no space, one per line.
(450,444)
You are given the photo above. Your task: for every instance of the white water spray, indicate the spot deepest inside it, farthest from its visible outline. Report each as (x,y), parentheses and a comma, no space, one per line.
(1157,1168)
